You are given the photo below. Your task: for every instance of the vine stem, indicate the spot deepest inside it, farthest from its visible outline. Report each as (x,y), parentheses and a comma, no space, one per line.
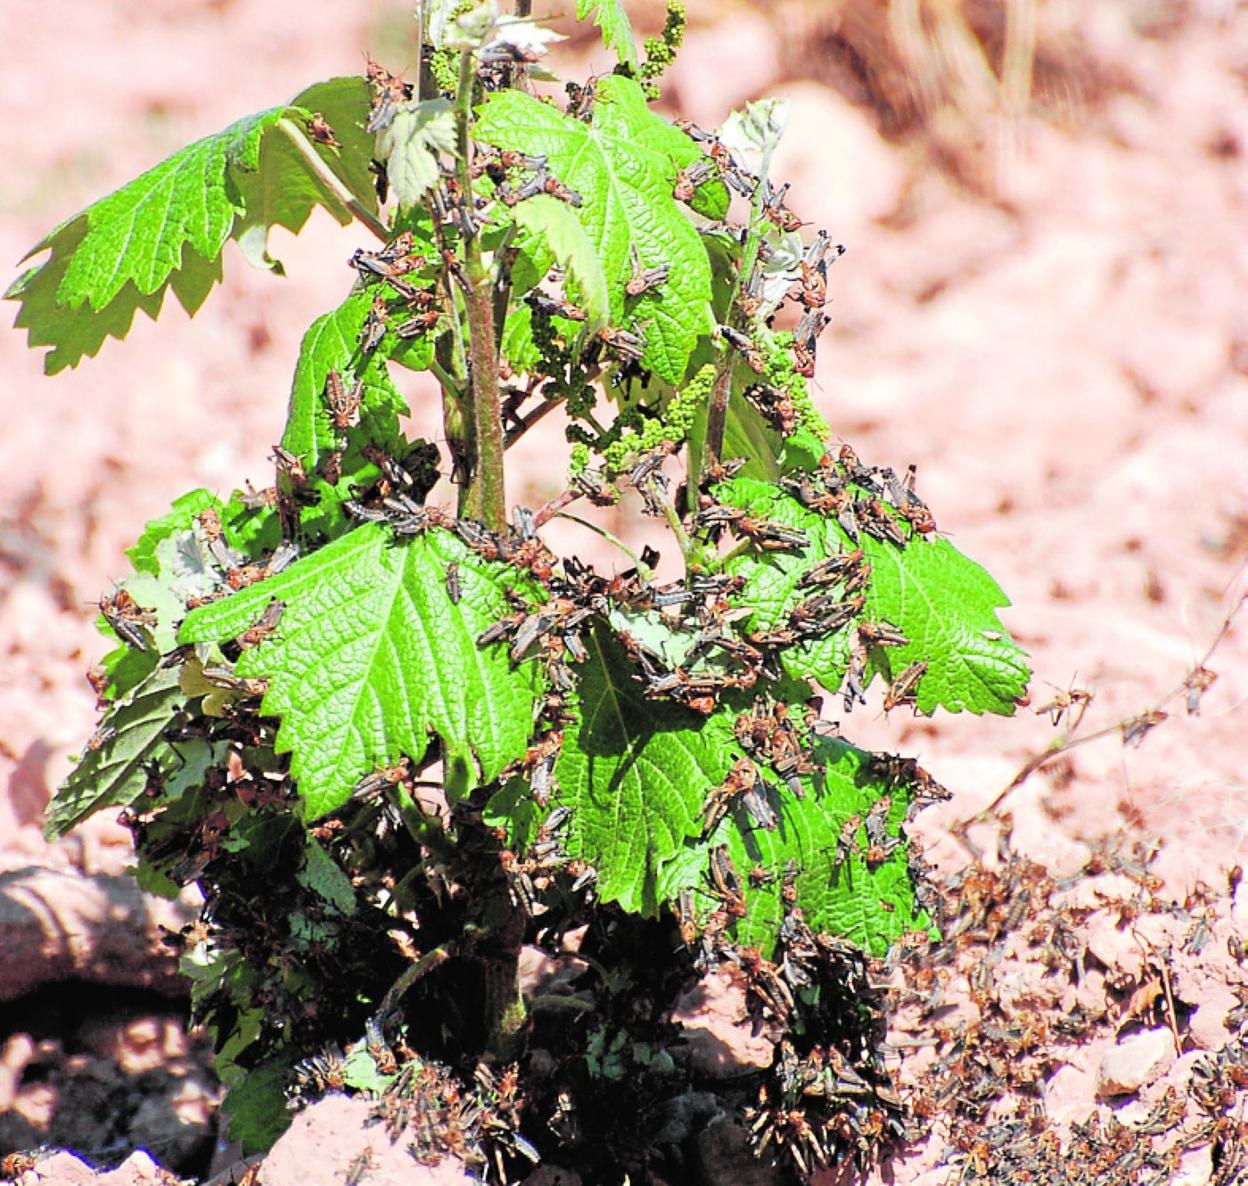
(329,179)
(484,495)
(527,422)
(452,361)
(443,376)
(740,548)
(459,354)
(1145,721)
(421,13)
(412,973)
(677,528)
(590,525)
(549,510)
(717,413)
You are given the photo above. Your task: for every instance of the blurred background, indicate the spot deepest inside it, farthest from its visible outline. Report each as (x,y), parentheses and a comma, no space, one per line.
(1043,305)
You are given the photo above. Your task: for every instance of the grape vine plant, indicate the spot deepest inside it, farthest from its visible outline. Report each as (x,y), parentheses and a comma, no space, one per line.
(400,745)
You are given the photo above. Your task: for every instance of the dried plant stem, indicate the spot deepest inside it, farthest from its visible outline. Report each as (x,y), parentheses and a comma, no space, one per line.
(1128,728)
(1171,1016)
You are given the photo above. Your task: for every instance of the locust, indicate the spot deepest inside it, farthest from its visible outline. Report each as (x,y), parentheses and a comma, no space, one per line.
(903,689)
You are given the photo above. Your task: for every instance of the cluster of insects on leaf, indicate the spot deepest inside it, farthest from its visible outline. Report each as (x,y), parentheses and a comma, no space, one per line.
(395,264)
(861,500)
(519,176)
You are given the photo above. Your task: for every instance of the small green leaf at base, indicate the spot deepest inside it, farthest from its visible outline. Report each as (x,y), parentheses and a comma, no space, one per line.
(116,772)
(256,1106)
(325,878)
(635,773)
(360,1072)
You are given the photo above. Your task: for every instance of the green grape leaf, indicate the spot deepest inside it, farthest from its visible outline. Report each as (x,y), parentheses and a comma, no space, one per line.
(513,808)
(945,604)
(114,774)
(140,233)
(332,344)
(409,145)
(942,602)
(344,103)
(724,252)
(655,631)
(518,348)
(124,667)
(623,165)
(281,191)
(179,518)
(847,898)
(325,878)
(251,530)
(255,1103)
(77,332)
(534,259)
(556,223)
(801,451)
(748,435)
(167,228)
(635,773)
(617,34)
(371,653)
